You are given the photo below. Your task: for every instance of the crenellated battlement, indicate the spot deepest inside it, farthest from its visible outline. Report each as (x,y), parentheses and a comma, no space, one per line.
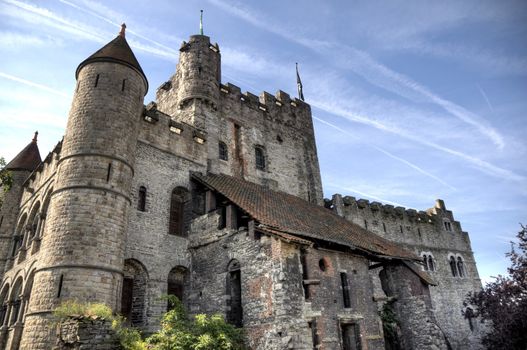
(433,216)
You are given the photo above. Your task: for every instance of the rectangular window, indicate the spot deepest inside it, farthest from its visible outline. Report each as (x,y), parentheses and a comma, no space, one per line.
(351,337)
(345,290)
(303,262)
(314,333)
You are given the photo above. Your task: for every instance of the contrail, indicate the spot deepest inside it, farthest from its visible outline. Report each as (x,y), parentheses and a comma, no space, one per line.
(33,84)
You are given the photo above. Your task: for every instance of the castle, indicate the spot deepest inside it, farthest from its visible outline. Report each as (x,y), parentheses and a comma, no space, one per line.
(215,196)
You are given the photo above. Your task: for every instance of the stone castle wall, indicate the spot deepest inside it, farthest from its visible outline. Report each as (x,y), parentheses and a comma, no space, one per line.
(426,233)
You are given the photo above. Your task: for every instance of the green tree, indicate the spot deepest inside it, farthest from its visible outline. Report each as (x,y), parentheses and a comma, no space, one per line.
(6,179)
(203,332)
(502,304)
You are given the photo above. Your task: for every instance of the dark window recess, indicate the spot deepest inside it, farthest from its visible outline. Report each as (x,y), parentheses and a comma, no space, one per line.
(234,291)
(453,267)
(3,312)
(305,275)
(419,232)
(97,80)
(223,152)
(431,265)
(314,334)
(469,315)
(176,282)
(384,227)
(123,85)
(460,267)
(401,228)
(178,201)
(259,158)
(108,173)
(350,337)
(365,224)
(127,297)
(425,262)
(1,220)
(61,281)
(345,290)
(322,264)
(16,309)
(222,211)
(199,70)
(141,201)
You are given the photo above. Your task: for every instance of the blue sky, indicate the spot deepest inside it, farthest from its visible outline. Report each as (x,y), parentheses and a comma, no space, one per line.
(412,100)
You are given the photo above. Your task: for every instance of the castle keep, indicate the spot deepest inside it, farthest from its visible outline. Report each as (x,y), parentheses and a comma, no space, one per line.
(215,196)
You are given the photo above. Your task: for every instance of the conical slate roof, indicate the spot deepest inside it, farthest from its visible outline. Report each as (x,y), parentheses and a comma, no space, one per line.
(117,51)
(28,159)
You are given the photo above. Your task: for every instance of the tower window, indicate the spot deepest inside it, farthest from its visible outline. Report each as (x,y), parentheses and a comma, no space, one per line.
(123,85)
(259,157)
(97,80)
(453,266)
(141,202)
(384,227)
(223,152)
(425,262)
(461,267)
(431,264)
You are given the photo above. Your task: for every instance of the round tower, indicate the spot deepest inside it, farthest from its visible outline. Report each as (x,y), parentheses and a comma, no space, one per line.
(194,90)
(83,244)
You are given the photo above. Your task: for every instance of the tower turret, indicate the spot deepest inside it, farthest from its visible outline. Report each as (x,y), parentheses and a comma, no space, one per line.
(85,235)
(19,168)
(194,90)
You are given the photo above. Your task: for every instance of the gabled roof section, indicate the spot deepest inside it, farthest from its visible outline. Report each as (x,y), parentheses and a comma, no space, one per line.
(28,159)
(117,51)
(293,215)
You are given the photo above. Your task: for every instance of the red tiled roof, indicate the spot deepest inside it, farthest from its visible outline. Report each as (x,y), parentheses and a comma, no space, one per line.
(293,215)
(28,159)
(117,51)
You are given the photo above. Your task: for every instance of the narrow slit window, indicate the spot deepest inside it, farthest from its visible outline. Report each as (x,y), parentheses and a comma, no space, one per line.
(314,333)
(431,264)
(453,267)
(123,85)
(61,281)
(425,262)
(141,202)
(384,227)
(108,173)
(460,267)
(365,224)
(97,80)
(401,228)
(345,290)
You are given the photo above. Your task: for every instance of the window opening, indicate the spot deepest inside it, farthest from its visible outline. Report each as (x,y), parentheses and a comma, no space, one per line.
(384,227)
(460,267)
(431,265)
(425,262)
(61,281)
(453,267)
(178,202)
(345,290)
(322,264)
(223,152)
(141,202)
(259,158)
(108,172)
(314,333)
(123,85)
(234,290)
(351,337)
(96,80)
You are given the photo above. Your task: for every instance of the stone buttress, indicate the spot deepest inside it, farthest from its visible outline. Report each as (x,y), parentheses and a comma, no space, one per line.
(83,252)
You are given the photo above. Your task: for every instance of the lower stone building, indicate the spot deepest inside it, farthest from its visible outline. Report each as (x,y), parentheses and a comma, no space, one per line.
(215,196)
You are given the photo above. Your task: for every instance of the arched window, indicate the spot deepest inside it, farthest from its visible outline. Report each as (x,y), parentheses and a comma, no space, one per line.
(176,282)
(16,302)
(259,155)
(3,304)
(431,265)
(223,152)
(141,200)
(179,199)
(34,220)
(425,262)
(18,238)
(453,267)
(460,267)
(234,292)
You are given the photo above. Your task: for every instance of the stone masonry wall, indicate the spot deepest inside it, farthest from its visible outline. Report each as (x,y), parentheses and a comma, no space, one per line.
(426,232)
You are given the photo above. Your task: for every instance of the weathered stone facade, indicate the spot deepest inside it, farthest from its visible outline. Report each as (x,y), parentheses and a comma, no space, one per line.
(114,214)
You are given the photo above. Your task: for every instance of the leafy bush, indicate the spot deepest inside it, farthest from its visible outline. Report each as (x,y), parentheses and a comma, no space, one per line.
(203,332)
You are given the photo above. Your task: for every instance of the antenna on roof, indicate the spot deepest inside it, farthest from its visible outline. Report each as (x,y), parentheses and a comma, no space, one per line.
(201,23)
(123,29)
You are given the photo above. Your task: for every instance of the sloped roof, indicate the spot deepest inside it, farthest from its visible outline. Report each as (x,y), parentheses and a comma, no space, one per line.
(117,51)
(28,159)
(293,215)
